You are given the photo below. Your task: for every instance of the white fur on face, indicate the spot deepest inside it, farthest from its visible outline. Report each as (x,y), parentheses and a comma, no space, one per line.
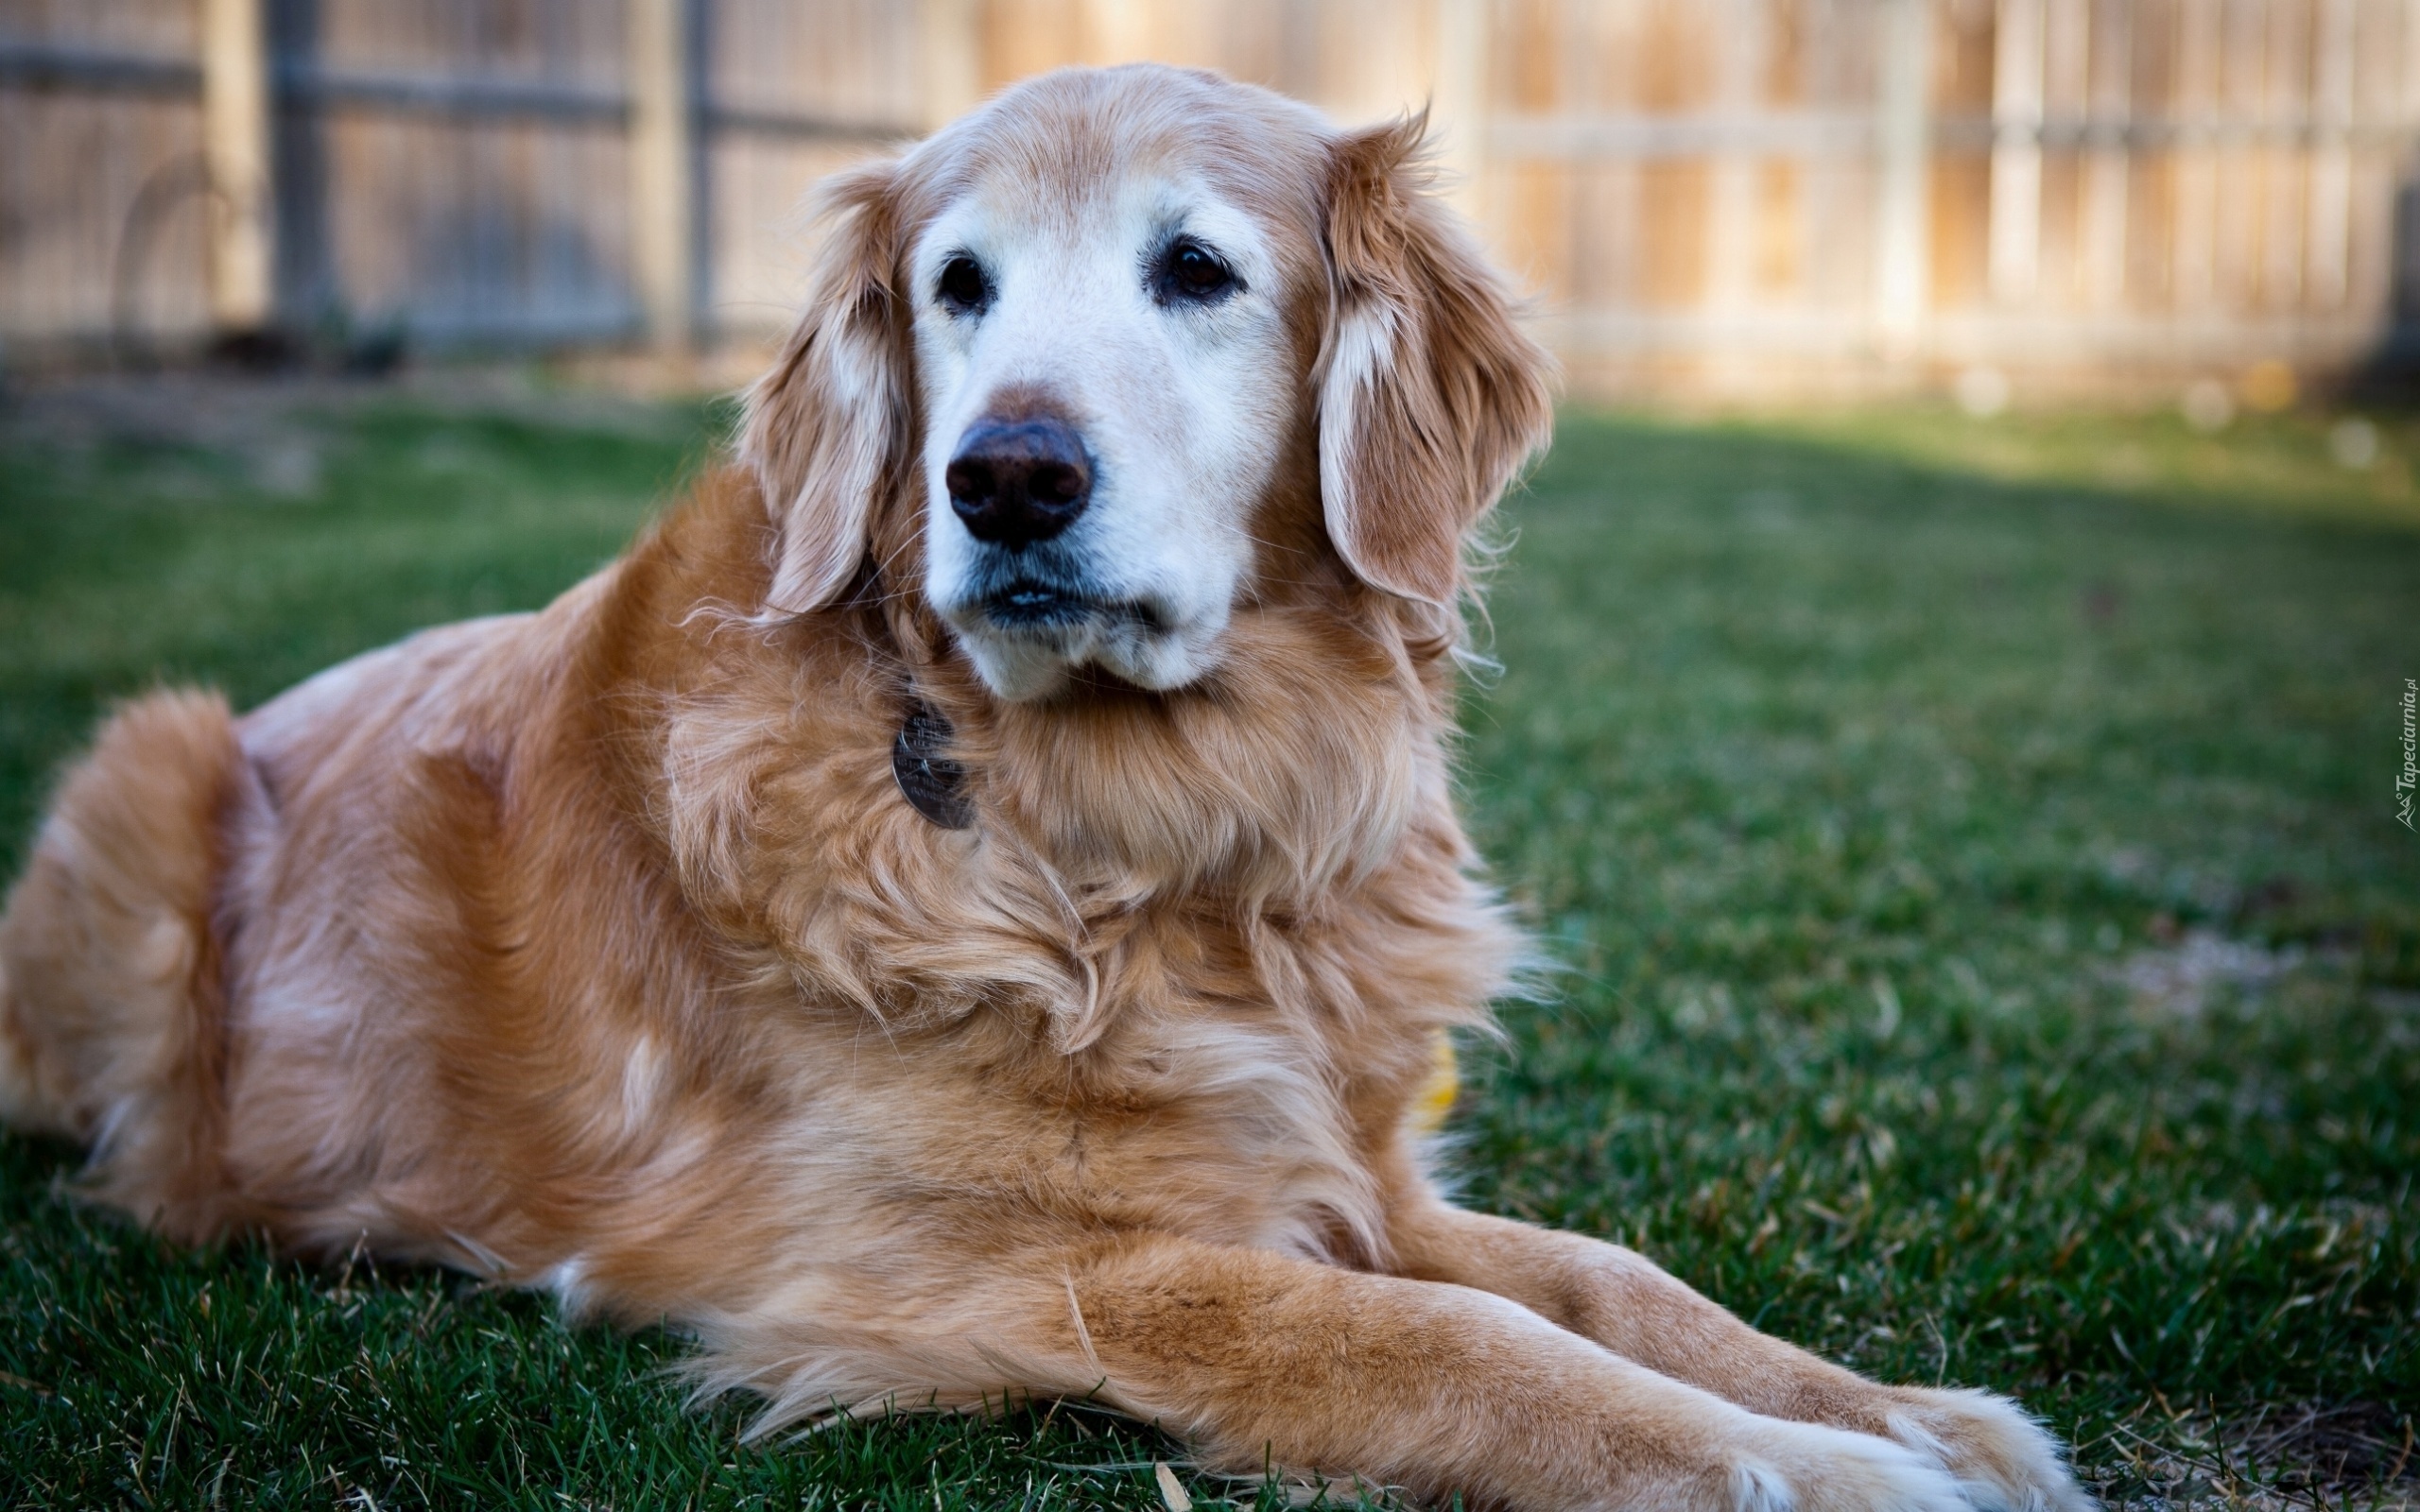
(1182,407)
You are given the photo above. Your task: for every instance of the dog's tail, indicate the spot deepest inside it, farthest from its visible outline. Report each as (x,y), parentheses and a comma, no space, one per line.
(109,988)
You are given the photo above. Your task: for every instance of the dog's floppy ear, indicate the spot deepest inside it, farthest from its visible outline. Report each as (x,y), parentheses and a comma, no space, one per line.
(827,428)
(1430,397)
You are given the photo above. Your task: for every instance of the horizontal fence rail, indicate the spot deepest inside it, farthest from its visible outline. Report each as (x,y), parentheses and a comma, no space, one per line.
(1811,134)
(40,66)
(1730,193)
(458,94)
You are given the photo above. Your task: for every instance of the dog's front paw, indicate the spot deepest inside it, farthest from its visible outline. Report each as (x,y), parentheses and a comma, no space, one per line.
(2003,1460)
(1788,1466)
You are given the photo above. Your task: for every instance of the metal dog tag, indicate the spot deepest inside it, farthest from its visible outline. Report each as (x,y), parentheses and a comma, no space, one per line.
(928,782)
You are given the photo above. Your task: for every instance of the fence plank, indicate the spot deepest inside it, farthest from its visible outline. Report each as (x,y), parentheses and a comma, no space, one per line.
(235,132)
(2051,183)
(2328,237)
(661,152)
(2109,105)
(1903,131)
(2018,66)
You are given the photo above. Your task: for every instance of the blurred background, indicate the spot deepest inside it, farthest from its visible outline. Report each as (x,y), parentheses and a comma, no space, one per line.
(1955,735)
(2209,199)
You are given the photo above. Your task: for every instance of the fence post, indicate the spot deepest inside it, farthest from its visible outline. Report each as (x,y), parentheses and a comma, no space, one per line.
(663,124)
(1904,129)
(235,149)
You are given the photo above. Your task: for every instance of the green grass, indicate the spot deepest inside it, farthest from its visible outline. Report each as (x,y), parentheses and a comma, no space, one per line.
(1877,781)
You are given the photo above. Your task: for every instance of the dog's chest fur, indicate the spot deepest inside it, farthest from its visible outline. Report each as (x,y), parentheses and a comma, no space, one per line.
(1182,970)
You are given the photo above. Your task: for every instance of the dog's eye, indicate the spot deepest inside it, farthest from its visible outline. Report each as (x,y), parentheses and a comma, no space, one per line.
(1193,272)
(963,287)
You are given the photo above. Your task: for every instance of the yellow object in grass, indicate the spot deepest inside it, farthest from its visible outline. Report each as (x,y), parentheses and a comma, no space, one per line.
(1436,1097)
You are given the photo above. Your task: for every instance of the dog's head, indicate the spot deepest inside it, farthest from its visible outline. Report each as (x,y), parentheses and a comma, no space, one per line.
(1090,358)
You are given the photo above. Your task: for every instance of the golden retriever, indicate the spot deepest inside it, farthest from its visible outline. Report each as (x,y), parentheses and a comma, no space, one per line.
(965,909)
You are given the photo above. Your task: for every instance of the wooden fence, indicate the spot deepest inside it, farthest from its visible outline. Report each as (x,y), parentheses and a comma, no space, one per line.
(1728,193)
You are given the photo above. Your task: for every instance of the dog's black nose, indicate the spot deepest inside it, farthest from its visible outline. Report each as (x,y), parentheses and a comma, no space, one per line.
(1016,482)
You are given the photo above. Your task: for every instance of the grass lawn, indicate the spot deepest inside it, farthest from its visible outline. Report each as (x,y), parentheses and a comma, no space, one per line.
(1987,949)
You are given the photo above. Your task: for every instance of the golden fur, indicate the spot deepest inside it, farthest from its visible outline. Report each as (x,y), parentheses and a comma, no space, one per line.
(596,949)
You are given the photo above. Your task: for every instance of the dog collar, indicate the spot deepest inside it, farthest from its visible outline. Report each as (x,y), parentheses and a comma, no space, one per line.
(930,784)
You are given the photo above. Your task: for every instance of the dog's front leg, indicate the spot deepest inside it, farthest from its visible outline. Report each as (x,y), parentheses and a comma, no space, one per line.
(1265,1359)
(1626,1303)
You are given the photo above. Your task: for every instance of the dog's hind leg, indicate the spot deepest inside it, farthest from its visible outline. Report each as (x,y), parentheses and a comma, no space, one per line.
(111,994)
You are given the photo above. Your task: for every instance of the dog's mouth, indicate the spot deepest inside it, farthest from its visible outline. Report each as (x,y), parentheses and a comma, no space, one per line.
(1026,625)
(1027,605)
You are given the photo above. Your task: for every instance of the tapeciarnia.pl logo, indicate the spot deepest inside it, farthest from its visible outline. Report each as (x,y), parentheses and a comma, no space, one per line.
(2407,778)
